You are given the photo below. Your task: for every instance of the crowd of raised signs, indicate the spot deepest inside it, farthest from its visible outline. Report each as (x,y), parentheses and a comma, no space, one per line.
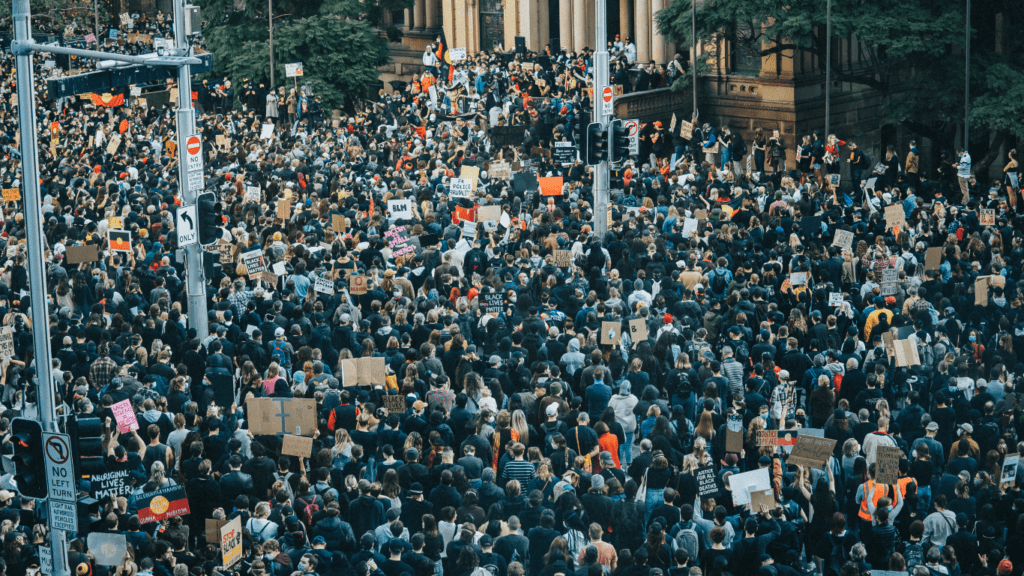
(422,360)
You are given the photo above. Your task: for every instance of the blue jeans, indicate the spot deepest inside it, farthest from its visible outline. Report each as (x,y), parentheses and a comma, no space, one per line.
(924,500)
(725,157)
(626,450)
(677,155)
(655,498)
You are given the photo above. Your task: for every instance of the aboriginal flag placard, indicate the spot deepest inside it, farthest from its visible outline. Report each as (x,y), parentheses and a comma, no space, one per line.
(162,504)
(120,240)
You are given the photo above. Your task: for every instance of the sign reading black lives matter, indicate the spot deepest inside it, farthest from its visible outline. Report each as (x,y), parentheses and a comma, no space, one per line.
(493,302)
(707,483)
(254,262)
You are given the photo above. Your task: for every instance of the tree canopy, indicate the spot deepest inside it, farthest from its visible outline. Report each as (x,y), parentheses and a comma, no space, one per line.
(914,51)
(339,42)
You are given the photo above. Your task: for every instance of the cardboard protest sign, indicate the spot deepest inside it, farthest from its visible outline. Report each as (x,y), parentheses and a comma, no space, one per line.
(108,549)
(835,298)
(638,331)
(611,333)
(269,277)
(7,342)
(686,129)
(394,403)
(933,258)
(890,343)
(833,180)
(213,526)
(741,485)
(762,500)
(888,289)
(1009,475)
(231,542)
(887,464)
(162,504)
(988,217)
(500,170)
(80,254)
(550,185)
(461,187)
(12,194)
(369,371)
(734,433)
(811,451)
(470,172)
(115,142)
(224,249)
(488,213)
(253,194)
(707,483)
(888,573)
(284,209)
(279,416)
(843,239)
(400,209)
(301,446)
(493,302)
(125,416)
(338,223)
(254,262)
(563,258)
(890,275)
(323,285)
(906,353)
(767,438)
(894,216)
(120,240)
(357,285)
(110,484)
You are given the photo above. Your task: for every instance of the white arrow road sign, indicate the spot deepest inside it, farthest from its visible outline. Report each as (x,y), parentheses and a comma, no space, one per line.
(188,232)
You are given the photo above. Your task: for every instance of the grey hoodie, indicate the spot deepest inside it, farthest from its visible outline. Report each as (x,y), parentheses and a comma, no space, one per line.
(573,359)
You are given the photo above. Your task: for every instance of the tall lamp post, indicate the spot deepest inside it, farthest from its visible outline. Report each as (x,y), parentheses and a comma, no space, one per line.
(693,60)
(270,12)
(967,78)
(828,66)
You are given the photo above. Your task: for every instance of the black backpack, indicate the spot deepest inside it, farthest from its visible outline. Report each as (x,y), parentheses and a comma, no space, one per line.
(718,283)
(837,558)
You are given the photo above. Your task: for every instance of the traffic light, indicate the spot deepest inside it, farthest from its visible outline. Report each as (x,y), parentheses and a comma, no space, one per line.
(619,135)
(87,445)
(210,218)
(30,470)
(597,144)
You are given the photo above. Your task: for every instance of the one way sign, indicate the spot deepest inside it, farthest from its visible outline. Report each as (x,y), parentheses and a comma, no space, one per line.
(186,226)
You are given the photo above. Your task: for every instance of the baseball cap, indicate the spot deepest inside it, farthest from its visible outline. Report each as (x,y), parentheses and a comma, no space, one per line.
(494,359)
(932,426)
(319,541)
(552,409)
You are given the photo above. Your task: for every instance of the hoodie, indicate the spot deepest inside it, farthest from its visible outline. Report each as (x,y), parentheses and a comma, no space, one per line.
(573,359)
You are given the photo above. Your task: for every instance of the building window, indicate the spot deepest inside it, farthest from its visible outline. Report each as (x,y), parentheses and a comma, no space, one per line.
(746,55)
(492,24)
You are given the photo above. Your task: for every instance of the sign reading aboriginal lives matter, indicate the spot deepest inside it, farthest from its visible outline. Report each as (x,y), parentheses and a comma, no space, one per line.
(110,484)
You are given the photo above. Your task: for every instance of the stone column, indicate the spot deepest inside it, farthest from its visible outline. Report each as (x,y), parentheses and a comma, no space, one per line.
(511,8)
(431,13)
(643,31)
(579,25)
(419,13)
(527,24)
(625,20)
(543,25)
(408,19)
(564,25)
(657,40)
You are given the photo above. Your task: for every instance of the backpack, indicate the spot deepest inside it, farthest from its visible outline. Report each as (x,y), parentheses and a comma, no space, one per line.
(927,355)
(742,151)
(309,509)
(837,558)
(687,539)
(914,555)
(257,536)
(548,450)
(719,284)
(280,351)
(679,385)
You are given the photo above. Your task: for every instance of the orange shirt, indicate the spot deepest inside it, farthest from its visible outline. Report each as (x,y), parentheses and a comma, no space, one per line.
(610,443)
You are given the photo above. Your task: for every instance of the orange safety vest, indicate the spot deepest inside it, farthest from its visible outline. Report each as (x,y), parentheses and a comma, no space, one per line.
(869,492)
(903,483)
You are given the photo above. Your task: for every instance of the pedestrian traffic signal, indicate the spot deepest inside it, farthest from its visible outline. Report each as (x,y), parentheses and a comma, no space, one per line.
(87,445)
(619,135)
(597,143)
(210,218)
(29,467)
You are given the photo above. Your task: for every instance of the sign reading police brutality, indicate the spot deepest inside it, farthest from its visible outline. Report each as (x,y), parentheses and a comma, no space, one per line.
(461,188)
(162,504)
(707,483)
(254,262)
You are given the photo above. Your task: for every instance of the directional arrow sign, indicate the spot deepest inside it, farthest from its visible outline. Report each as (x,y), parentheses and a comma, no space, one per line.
(186,226)
(60,470)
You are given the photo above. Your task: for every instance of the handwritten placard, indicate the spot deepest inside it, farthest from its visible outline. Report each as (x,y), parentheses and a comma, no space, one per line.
(887,464)
(741,485)
(762,500)
(933,258)
(811,451)
(301,446)
(638,331)
(357,285)
(323,285)
(125,416)
(461,188)
(835,298)
(563,258)
(12,194)
(394,403)
(767,438)
(707,483)
(988,217)
(894,216)
(843,239)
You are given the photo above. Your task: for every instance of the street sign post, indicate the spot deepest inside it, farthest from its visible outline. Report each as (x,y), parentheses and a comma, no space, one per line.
(63,515)
(194,148)
(633,129)
(185,224)
(60,469)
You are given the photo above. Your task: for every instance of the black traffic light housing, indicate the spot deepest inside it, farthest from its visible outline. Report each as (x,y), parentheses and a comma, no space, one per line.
(619,136)
(597,144)
(87,434)
(29,465)
(210,218)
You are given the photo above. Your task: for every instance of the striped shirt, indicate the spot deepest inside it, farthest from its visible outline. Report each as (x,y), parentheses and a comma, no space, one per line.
(520,470)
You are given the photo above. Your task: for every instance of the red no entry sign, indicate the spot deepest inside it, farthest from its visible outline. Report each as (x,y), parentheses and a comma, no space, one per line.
(193,146)
(607,94)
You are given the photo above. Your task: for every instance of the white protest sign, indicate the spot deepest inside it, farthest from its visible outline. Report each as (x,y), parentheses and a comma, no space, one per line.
(835,298)
(323,285)
(293,70)
(741,485)
(461,187)
(457,54)
(252,194)
(266,131)
(400,209)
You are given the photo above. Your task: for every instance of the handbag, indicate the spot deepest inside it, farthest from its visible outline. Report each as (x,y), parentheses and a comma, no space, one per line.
(641,493)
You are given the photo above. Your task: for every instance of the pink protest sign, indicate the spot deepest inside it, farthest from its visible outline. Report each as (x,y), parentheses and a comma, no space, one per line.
(125,416)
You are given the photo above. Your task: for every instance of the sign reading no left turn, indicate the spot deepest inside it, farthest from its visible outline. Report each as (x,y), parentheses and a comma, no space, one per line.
(60,470)
(186,226)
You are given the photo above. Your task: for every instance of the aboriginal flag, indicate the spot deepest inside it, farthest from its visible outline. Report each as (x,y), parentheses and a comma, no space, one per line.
(107,99)
(162,504)
(442,50)
(120,240)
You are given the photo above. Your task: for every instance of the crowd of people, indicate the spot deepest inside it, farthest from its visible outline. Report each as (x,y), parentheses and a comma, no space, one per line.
(737,291)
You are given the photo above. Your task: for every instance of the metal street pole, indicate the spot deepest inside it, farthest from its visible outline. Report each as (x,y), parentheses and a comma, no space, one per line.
(96,18)
(693,59)
(602,173)
(828,66)
(195,277)
(967,79)
(270,12)
(34,239)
